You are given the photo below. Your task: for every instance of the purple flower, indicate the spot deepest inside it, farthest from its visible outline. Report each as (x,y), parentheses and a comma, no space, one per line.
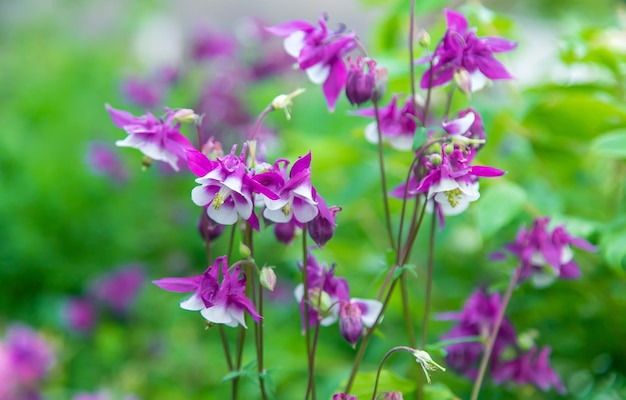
(119,289)
(226,188)
(539,248)
(141,93)
(209,44)
(530,368)
(461,49)
(451,182)
(295,194)
(397,125)
(103,160)
(322,227)
(219,302)
(468,125)
(80,315)
(343,396)
(319,52)
(360,85)
(356,314)
(25,360)
(477,319)
(155,138)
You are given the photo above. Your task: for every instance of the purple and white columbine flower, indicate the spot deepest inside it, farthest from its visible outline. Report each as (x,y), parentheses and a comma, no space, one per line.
(156,138)
(295,194)
(546,255)
(451,182)
(319,52)
(226,188)
(460,49)
(219,302)
(397,125)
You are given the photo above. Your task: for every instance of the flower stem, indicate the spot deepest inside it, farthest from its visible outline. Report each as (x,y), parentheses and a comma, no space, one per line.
(429,284)
(383,179)
(259,121)
(240,341)
(305,300)
(229,360)
(382,362)
(411,56)
(494,334)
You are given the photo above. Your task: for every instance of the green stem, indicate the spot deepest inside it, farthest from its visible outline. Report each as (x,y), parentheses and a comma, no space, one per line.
(494,334)
(408,325)
(429,284)
(305,300)
(382,362)
(411,43)
(229,360)
(383,179)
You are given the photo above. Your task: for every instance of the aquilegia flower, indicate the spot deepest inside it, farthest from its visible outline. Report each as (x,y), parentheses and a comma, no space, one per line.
(530,368)
(219,302)
(319,52)
(156,138)
(460,49)
(118,289)
(226,188)
(546,255)
(451,182)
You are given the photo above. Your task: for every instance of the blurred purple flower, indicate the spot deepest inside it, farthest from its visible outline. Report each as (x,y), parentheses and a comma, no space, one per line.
(142,93)
(219,303)
(539,249)
(460,49)
(157,139)
(209,44)
(530,368)
(343,396)
(80,315)
(322,227)
(119,289)
(103,160)
(319,52)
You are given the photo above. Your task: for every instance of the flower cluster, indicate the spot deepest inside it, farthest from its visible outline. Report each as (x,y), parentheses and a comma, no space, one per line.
(477,320)
(25,360)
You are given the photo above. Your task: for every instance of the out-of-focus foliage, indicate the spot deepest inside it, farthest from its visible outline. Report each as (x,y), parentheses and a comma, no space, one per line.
(562,142)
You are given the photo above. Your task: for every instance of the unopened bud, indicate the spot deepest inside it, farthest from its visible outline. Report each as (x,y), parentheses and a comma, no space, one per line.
(423,38)
(212,149)
(267,278)
(463,81)
(285,231)
(322,227)
(320,301)
(186,115)
(360,84)
(350,322)
(146,162)
(283,101)
(244,250)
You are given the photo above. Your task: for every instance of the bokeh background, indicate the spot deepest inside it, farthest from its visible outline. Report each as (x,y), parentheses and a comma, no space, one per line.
(70,224)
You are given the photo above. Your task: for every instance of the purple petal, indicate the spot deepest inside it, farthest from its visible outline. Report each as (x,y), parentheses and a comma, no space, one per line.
(492,68)
(456,21)
(334,83)
(300,165)
(198,163)
(121,118)
(460,125)
(498,44)
(488,172)
(582,244)
(570,270)
(179,285)
(287,28)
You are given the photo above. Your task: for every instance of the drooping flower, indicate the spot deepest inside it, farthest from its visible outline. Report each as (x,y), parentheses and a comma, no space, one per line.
(319,52)
(295,193)
(156,138)
(546,255)
(476,321)
(356,314)
(219,302)
(427,363)
(397,125)
(322,227)
(530,368)
(226,188)
(451,182)
(461,49)
(361,86)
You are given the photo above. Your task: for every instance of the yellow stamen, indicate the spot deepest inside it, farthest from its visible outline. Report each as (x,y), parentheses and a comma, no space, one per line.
(286,209)
(453,196)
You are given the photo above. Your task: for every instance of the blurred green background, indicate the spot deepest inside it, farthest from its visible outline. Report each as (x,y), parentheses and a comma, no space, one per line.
(559,131)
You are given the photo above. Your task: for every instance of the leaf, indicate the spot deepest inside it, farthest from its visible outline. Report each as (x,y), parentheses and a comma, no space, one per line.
(388,381)
(613,248)
(611,144)
(499,206)
(438,391)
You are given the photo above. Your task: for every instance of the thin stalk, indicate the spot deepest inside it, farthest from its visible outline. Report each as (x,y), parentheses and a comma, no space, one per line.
(240,341)
(204,220)
(411,56)
(229,360)
(408,326)
(449,101)
(231,242)
(430,89)
(310,387)
(429,284)
(383,179)
(305,299)
(494,334)
(382,362)
(259,121)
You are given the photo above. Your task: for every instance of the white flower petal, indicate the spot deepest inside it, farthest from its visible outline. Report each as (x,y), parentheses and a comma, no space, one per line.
(443,185)
(401,142)
(318,73)
(373,309)
(478,80)
(218,315)
(371,133)
(298,292)
(294,43)
(200,196)
(462,203)
(226,215)
(194,303)
(277,216)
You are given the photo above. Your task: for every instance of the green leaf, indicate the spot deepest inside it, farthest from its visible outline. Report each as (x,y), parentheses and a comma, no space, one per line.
(438,391)
(611,144)
(499,206)
(388,381)
(420,137)
(613,248)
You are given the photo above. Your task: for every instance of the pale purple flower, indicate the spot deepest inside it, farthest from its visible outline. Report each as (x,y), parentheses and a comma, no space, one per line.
(343,396)
(142,93)
(530,368)
(226,188)
(80,315)
(319,52)
(451,182)
(546,255)
(209,44)
(397,125)
(295,193)
(356,314)
(156,138)
(460,49)
(219,302)
(119,289)
(103,160)
(477,319)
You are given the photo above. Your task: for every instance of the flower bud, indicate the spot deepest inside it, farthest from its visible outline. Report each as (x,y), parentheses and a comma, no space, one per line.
(244,250)
(212,149)
(320,301)
(350,322)
(359,84)
(186,115)
(209,228)
(285,231)
(268,278)
(423,38)
(283,101)
(322,227)
(463,81)
(381,83)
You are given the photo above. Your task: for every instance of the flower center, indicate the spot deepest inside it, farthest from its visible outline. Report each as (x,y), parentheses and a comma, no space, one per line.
(286,209)
(221,197)
(453,196)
